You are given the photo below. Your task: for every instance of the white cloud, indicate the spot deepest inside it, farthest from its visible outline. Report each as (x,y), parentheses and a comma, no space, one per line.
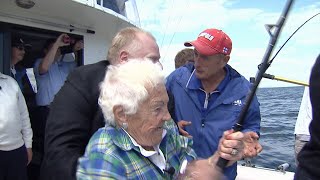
(174,22)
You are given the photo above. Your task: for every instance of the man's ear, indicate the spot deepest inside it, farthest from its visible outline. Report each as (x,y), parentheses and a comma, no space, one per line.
(226,58)
(123,57)
(119,114)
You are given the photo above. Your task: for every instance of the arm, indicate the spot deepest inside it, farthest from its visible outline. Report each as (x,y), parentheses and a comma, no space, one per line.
(26,126)
(181,124)
(207,168)
(171,108)
(71,122)
(50,55)
(308,157)
(314,90)
(251,130)
(305,114)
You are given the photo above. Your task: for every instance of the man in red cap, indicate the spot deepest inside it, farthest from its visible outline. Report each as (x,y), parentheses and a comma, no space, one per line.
(208,99)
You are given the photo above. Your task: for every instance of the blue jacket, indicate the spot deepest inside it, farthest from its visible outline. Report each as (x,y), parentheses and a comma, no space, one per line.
(207,127)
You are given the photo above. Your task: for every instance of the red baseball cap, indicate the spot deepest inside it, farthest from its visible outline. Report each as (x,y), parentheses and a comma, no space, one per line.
(212,41)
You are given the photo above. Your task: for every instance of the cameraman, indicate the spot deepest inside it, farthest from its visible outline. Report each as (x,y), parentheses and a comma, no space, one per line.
(50,72)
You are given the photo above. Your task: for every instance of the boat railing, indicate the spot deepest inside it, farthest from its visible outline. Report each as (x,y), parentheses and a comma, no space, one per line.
(283,167)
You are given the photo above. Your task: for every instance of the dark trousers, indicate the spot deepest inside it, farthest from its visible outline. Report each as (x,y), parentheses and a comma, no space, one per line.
(301,174)
(13,164)
(38,119)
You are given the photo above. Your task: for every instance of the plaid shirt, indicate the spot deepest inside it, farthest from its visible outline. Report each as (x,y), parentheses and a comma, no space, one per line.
(111,154)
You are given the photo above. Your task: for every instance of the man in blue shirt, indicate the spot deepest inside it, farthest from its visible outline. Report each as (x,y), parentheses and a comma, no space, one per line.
(50,72)
(208,99)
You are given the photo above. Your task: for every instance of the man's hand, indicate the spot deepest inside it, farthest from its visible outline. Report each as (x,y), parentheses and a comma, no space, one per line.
(252,147)
(231,146)
(181,125)
(61,42)
(29,152)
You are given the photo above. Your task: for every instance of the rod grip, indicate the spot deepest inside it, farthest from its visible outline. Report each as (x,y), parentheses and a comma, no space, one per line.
(222,163)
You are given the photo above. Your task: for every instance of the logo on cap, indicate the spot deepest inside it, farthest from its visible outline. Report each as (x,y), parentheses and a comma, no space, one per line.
(206,35)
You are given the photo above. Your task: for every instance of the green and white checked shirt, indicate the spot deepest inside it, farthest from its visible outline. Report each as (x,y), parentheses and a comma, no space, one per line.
(111,154)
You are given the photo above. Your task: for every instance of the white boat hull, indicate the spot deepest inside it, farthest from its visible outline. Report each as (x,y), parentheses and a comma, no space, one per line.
(259,173)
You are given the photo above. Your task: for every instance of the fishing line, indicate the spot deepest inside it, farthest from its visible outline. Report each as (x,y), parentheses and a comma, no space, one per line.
(291,37)
(168,21)
(187,6)
(269,76)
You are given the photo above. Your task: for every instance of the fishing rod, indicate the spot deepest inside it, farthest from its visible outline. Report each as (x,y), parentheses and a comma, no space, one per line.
(273,77)
(263,67)
(269,76)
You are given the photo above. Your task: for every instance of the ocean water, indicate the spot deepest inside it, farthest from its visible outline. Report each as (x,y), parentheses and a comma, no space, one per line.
(279,110)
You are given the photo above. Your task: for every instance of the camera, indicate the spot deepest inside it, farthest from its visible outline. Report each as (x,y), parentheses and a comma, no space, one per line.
(68,40)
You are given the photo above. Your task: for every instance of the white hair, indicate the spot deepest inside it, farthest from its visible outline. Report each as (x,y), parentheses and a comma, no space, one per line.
(126,85)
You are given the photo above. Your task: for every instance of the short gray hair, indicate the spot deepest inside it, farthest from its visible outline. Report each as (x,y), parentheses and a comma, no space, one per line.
(126,85)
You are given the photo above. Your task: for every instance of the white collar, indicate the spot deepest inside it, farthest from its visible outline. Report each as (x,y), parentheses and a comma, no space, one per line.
(156,156)
(143,151)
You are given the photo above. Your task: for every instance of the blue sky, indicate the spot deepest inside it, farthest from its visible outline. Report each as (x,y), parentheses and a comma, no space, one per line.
(173,22)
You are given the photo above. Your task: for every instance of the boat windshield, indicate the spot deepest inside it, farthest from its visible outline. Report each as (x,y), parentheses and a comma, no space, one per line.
(126,8)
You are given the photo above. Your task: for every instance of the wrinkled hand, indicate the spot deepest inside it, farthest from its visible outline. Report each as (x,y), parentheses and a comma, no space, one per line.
(252,145)
(181,125)
(231,140)
(29,152)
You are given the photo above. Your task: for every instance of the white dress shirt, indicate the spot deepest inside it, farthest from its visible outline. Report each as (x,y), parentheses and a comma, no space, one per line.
(15,128)
(305,115)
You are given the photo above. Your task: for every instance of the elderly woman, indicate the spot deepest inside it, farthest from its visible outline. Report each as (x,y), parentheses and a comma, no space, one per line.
(141,141)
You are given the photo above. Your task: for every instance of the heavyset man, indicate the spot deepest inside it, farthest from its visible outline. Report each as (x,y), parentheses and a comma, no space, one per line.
(75,115)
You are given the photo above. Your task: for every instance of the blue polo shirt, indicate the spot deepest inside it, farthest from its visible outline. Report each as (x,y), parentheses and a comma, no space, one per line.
(50,83)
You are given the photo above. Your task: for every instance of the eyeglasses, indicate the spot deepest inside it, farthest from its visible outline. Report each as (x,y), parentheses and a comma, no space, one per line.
(20,47)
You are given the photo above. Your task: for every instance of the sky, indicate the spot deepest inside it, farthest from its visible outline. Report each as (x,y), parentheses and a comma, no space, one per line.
(173,22)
